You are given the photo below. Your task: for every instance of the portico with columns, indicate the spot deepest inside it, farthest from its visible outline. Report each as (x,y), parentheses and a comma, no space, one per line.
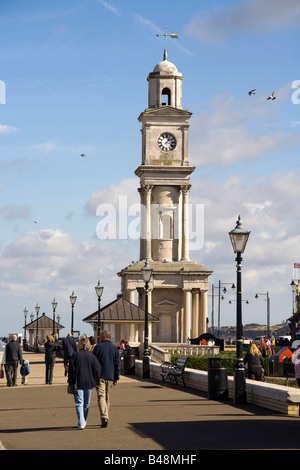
(178,286)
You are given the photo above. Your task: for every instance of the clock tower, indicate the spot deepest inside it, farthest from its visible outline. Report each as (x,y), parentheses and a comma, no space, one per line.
(178,287)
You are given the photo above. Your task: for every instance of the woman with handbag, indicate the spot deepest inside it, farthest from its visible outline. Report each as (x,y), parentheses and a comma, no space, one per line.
(84,369)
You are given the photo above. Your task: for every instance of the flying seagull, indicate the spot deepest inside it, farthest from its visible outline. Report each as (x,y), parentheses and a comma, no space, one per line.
(271,97)
(251,92)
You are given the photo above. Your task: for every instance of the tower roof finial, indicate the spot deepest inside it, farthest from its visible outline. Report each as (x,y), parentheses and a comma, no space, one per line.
(172,35)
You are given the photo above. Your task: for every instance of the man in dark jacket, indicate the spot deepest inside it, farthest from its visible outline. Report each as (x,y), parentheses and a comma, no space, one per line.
(109,359)
(13,354)
(70,347)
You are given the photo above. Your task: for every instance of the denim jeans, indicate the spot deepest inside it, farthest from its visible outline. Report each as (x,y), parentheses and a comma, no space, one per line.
(82,402)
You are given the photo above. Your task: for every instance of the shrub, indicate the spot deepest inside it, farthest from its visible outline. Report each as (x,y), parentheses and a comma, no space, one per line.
(201,362)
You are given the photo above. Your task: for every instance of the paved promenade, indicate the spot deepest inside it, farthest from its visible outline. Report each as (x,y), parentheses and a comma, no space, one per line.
(144,416)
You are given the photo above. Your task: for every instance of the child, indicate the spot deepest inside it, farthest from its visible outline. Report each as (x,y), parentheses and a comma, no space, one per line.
(24,371)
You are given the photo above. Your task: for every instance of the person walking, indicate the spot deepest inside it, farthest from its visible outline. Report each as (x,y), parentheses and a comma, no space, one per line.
(69,346)
(255,362)
(84,369)
(109,359)
(13,354)
(92,343)
(24,371)
(50,357)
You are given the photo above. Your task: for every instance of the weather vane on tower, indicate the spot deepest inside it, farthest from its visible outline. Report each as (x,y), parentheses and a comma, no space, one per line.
(172,35)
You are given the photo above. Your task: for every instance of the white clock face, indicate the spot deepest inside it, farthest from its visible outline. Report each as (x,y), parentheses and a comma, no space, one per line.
(166,142)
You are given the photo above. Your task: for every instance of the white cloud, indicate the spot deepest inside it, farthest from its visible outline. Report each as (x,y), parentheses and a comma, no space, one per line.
(247,15)
(50,263)
(5,129)
(45,147)
(126,188)
(268,209)
(235,131)
(109,7)
(12,211)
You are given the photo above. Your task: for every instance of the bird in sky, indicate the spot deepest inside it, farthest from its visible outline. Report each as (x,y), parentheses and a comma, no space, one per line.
(251,92)
(271,96)
(34,222)
(82,155)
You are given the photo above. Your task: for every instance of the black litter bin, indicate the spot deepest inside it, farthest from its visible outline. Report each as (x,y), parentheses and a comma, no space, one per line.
(217,378)
(129,362)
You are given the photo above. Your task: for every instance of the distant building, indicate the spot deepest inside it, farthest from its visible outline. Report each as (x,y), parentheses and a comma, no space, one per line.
(124,320)
(40,328)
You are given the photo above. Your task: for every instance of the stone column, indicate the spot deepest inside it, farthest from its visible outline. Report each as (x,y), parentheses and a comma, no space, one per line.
(203,313)
(179,226)
(195,313)
(129,295)
(148,190)
(185,222)
(143,223)
(187,313)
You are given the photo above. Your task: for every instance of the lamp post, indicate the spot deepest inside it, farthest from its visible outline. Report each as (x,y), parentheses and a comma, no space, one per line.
(37,309)
(58,321)
(72,300)
(268,311)
(31,332)
(293,320)
(54,305)
(99,292)
(25,339)
(219,304)
(212,309)
(146,273)
(239,237)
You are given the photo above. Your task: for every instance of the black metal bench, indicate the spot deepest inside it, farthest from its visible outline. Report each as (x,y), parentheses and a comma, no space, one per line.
(173,373)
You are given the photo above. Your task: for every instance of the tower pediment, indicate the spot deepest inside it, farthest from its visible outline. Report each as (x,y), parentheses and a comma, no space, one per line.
(164,112)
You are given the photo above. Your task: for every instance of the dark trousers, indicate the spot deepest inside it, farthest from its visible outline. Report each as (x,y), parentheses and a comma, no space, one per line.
(49,370)
(255,373)
(66,364)
(11,372)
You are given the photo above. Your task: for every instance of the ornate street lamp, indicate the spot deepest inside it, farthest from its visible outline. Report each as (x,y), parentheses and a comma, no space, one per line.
(99,292)
(31,331)
(37,309)
(146,274)
(58,321)
(268,311)
(239,237)
(25,339)
(54,305)
(293,319)
(222,298)
(72,300)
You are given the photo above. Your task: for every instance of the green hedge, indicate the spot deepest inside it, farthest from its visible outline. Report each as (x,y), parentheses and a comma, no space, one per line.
(201,362)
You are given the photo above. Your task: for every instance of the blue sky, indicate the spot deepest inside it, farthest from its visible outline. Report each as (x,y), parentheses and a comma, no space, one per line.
(75,77)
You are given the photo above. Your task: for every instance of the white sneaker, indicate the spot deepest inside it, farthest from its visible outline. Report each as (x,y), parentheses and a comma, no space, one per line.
(82,427)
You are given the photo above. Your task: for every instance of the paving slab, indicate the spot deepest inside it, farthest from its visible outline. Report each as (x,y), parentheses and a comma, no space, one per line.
(144,415)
